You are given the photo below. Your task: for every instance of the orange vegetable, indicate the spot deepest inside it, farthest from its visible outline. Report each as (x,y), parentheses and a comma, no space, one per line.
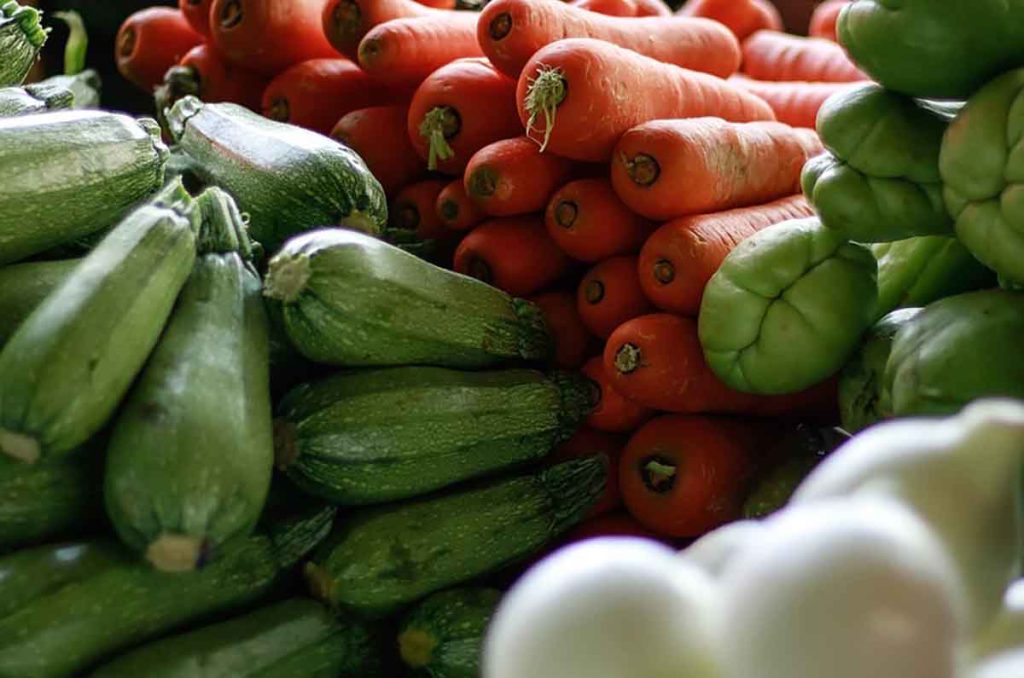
(415,209)
(677,261)
(610,294)
(345,22)
(378,135)
(671,168)
(204,73)
(438,4)
(512,177)
(590,223)
(627,8)
(587,443)
(772,55)
(794,103)
(614,413)
(616,524)
(577,97)
(197,13)
(824,18)
(150,42)
(514,254)
(573,341)
(460,108)
(403,52)
(456,209)
(742,17)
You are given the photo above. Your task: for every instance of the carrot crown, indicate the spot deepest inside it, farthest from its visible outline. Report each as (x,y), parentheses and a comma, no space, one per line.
(439,124)
(543,95)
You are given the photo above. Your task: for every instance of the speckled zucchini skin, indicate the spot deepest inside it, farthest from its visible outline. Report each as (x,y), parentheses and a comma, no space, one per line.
(21,38)
(60,92)
(443,636)
(24,286)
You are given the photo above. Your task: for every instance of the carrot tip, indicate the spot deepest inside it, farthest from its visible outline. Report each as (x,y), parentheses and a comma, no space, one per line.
(543,96)
(126,42)
(644,170)
(500,26)
(480,269)
(594,292)
(407,217)
(566,213)
(439,124)
(627,359)
(347,18)
(231,14)
(449,210)
(483,182)
(279,110)
(664,271)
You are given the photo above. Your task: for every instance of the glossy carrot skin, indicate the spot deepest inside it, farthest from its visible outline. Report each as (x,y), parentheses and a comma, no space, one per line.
(513,254)
(150,42)
(667,169)
(414,209)
(588,442)
(456,209)
(590,223)
(614,413)
(403,52)
(573,341)
(512,31)
(772,55)
(377,134)
(512,176)
(678,260)
(794,103)
(203,72)
(625,8)
(197,13)
(824,19)
(742,17)
(610,294)
(345,22)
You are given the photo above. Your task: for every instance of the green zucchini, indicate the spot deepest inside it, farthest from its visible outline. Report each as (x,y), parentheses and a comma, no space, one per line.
(70,174)
(352,300)
(65,370)
(117,602)
(296,637)
(191,453)
(443,636)
(21,38)
(24,286)
(84,87)
(287,179)
(57,93)
(382,559)
(369,437)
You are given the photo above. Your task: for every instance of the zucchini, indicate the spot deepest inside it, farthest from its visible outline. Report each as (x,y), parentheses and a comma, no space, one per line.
(70,174)
(382,559)
(191,453)
(56,93)
(84,87)
(359,437)
(287,179)
(24,286)
(65,370)
(21,38)
(118,602)
(349,299)
(296,637)
(444,635)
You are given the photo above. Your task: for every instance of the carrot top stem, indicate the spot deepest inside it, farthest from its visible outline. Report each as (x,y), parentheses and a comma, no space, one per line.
(664,271)
(543,96)
(566,213)
(450,210)
(126,43)
(594,291)
(347,17)
(643,169)
(480,269)
(659,474)
(440,124)
(408,218)
(628,359)
(483,182)
(500,26)
(279,110)
(231,14)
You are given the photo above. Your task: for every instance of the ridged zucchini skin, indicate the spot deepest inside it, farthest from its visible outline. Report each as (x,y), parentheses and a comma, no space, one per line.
(295,638)
(21,38)
(33,99)
(191,453)
(85,87)
(69,364)
(349,299)
(368,437)
(24,286)
(382,559)
(119,603)
(69,174)
(287,179)
(443,636)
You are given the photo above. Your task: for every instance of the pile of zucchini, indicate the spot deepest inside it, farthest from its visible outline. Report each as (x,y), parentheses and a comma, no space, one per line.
(205,350)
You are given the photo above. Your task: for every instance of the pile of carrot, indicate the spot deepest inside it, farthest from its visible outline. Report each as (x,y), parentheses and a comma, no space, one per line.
(600,158)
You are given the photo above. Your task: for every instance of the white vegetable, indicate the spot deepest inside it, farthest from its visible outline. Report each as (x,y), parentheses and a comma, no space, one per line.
(713,552)
(1006,665)
(843,589)
(1007,630)
(606,608)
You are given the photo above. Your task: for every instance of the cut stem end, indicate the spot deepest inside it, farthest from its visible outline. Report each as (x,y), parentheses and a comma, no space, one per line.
(24,448)
(177,553)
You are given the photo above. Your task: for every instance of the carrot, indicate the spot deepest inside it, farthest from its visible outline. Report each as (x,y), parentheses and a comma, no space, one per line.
(197,13)
(345,22)
(438,4)
(824,18)
(614,413)
(378,135)
(615,524)
(771,55)
(626,8)
(677,261)
(460,108)
(456,209)
(403,52)
(577,97)
(150,42)
(589,222)
(742,17)
(666,169)
(514,254)
(609,295)
(794,103)
(205,74)
(512,177)
(512,31)
(682,476)
(588,442)
(415,209)
(573,341)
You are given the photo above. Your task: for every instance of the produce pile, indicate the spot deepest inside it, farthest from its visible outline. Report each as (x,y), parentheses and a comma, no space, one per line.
(393,302)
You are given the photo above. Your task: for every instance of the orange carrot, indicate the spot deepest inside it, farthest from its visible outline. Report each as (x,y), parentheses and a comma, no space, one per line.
(794,103)
(403,52)
(438,4)
(610,294)
(459,109)
(456,209)
(588,443)
(150,42)
(345,22)
(415,209)
(205,74)
(377,134)
(615,524)
(679,259)
(771,55)
(577,97)
(514,254)
(197,13)
(614,413)
(627,8)
(742,17)
(269,37)
(512,177)
(824,18)
(573,341)
(671,168)
(589,222)
(512,31)
(682,476)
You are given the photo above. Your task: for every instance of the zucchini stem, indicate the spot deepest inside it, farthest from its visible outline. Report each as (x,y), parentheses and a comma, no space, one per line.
(544,95)
(416,647)
(22,447)
(287,277)
(177,552)
(321,583)
(285,450)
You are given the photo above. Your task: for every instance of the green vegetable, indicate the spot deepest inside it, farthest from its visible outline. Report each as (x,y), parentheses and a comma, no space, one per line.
(982,171)
(78,42)
(115,602)
(384,558)
(375,436)
(349,299)
(65,370)
(24,286)
(443,636)
(861,401)
(191,453)
(85,86)
(957,350)
(787,308)
(21,38)
(29,100)
(934,48)
(70,174)
(880,181)
(287,179)
(297,637)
